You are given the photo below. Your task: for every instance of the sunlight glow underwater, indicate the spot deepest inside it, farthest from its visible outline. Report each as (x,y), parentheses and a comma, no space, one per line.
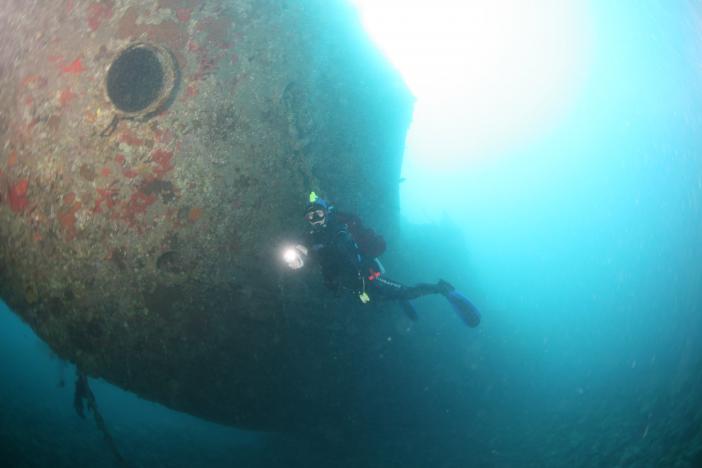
(486,74)
(489,76)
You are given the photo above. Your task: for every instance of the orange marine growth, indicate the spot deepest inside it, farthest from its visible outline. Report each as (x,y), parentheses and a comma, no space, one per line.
(17,194)
(74,67)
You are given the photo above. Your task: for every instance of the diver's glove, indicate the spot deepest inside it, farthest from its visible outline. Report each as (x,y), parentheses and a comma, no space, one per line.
(295,256)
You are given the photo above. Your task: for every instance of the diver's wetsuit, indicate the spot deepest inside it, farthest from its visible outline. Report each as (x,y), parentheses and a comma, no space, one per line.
(343,266)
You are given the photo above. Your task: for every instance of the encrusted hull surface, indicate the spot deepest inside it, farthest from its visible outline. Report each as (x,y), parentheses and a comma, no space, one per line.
(143,244)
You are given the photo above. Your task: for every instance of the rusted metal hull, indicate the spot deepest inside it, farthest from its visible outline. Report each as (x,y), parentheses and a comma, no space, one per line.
(144,247)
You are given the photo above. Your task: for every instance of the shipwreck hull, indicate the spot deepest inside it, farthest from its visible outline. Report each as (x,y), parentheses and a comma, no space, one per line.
(155,156)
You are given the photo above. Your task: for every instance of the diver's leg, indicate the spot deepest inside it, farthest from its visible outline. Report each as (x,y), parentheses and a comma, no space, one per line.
(421,289)
(383,288)
(392,290)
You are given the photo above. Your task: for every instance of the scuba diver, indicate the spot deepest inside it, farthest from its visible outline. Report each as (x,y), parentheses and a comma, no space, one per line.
(347,253)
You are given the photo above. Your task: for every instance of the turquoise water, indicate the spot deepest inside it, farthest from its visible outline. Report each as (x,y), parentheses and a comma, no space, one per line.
(584,251)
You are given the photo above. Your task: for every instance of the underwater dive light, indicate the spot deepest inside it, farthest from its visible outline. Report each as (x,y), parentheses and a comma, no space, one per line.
(294,256)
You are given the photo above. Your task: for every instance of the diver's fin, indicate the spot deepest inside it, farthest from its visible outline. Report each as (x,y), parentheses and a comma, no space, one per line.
(409,310)
(464,308)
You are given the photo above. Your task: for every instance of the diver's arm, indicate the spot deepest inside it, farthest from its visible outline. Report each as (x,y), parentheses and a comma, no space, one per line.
(347,248)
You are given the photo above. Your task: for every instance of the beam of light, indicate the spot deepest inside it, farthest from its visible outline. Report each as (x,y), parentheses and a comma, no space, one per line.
(487,74)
